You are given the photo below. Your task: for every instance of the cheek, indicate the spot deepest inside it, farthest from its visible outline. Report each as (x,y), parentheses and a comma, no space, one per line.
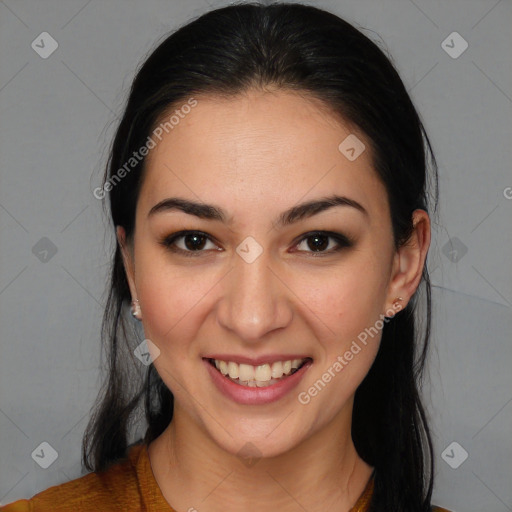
(347,297)
(171,300)
(344,308)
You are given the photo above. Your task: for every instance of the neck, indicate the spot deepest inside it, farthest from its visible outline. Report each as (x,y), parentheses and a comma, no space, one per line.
(322,473)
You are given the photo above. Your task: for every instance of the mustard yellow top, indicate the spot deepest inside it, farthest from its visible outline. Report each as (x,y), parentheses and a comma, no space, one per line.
(127,486)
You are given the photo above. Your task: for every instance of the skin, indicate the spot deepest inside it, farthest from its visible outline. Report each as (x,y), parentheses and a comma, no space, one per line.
(256,155)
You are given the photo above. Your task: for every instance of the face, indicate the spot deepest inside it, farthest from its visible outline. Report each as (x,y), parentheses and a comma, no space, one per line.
(261,277)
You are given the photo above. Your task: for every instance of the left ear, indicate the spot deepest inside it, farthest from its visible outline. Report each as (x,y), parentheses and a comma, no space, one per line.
(409,261)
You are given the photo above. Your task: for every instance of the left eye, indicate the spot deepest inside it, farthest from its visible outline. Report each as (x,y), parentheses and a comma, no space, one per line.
(319,242)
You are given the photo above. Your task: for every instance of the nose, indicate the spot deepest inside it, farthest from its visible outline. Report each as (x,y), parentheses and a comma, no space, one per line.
(255,299)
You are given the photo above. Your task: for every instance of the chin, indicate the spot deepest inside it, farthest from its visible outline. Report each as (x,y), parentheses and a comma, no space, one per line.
(251,442)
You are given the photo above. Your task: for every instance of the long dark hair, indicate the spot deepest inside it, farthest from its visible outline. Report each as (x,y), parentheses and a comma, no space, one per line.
(296,47)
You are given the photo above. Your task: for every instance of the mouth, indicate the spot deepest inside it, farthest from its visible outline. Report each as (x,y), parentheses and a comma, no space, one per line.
(260,376)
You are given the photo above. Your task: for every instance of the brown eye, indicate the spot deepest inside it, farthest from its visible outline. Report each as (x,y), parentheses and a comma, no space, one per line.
(324,242)
(318,242)
(194,242)
(188,243)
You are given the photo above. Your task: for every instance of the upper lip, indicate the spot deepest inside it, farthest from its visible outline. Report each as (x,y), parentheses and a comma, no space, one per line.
(256,361)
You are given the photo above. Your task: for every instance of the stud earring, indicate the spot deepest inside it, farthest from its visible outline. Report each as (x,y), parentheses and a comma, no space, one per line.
(396,303)
(136,312)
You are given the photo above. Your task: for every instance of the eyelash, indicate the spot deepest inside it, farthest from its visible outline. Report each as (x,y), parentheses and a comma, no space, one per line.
(342,241)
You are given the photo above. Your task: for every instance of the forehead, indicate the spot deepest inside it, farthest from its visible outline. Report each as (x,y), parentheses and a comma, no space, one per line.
(259,152)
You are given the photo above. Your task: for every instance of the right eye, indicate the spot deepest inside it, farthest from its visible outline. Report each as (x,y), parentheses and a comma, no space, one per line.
(192,242)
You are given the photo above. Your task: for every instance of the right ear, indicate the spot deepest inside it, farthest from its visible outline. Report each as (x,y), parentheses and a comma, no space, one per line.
(127,253)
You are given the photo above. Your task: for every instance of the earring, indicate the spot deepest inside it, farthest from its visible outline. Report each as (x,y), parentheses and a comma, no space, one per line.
(136,312)
(396,303)
(391,312)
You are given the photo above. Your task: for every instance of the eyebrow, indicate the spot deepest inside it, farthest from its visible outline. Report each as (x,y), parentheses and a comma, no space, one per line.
(290,216)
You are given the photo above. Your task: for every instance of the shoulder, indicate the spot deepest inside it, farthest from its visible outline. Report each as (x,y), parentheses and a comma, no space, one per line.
(114,489)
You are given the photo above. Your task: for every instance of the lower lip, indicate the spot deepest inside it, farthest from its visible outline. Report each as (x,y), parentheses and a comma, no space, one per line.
(255,396)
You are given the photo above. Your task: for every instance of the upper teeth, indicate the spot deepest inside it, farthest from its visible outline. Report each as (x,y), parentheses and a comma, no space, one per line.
(260,373)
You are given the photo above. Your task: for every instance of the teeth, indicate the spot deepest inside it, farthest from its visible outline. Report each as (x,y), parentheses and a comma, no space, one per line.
(245,372)
(257,376)
(233,370)
(262,373)
(223,367)
(277,370)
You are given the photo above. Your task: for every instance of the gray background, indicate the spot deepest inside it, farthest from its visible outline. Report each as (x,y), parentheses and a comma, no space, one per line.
(57,117)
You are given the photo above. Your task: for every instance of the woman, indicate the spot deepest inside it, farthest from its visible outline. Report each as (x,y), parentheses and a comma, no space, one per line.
(268,187)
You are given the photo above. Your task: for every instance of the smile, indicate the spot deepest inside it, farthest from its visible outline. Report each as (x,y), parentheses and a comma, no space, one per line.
(260,376)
